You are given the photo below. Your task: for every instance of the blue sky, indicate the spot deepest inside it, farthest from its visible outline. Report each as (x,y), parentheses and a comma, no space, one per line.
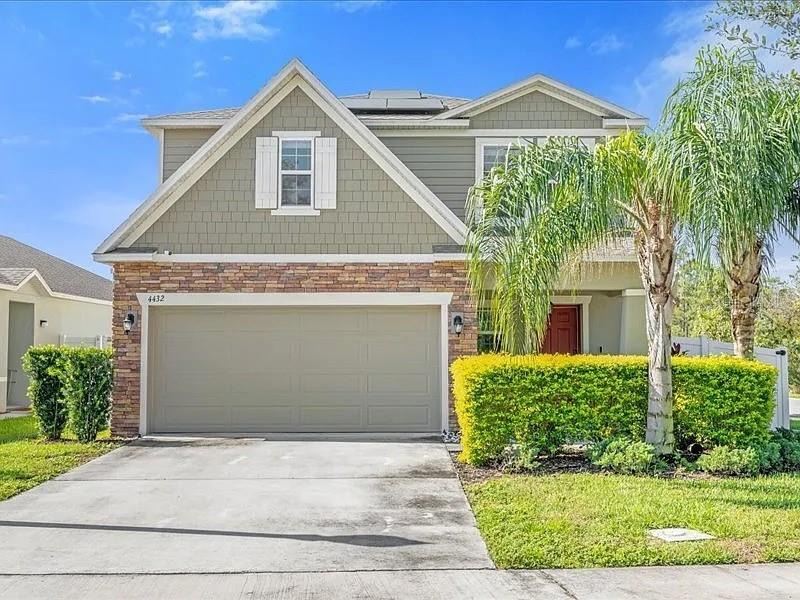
(78,77)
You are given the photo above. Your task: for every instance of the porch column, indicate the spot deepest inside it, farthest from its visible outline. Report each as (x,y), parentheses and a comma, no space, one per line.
(632,326)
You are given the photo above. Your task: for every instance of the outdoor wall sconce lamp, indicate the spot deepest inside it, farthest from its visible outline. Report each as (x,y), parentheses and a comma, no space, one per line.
(458,323)
(127,323)
(43,323)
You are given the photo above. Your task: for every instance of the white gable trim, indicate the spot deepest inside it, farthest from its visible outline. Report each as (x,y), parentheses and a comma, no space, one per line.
(293,75)
(34,274)
(546,85)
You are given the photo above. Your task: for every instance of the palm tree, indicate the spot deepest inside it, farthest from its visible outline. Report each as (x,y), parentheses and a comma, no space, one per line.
(737,133)
(548,208)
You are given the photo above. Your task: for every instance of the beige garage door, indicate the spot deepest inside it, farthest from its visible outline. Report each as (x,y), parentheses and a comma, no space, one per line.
(315,369)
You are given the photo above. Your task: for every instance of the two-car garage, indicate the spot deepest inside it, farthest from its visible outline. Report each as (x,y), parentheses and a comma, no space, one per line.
(373,367)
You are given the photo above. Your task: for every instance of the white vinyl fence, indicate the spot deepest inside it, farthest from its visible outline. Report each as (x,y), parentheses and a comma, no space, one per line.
(95,341)
(777,357)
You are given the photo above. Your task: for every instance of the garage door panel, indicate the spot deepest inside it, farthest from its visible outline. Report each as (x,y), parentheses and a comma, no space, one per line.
(243,417)
(330,383)
(264,369)
(193,416)
(321,321)
(402,355)
(260,352)
(190,352)
(330,353)
(415,416)
(261,385)
(262,322)
(405,383)
(199,320)
(327,416)
(188,388)
(379,322)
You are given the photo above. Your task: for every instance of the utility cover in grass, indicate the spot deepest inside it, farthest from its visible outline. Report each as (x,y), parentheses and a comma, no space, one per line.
(678,534)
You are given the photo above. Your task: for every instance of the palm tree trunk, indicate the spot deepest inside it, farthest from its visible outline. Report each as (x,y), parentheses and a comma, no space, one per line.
(743,278)
(656,256)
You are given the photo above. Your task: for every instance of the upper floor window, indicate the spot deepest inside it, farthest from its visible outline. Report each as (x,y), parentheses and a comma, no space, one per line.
(296,172)
(491,152)
(493,155)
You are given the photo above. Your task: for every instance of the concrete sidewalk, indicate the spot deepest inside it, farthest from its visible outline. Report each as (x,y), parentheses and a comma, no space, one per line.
(746,582)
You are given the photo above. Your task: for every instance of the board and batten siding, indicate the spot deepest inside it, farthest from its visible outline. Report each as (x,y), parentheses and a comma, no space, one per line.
(445,165)
(179,145)
(218,214)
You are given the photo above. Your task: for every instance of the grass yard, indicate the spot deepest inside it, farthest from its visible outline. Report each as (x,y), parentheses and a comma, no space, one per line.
(26,460)
(600,520)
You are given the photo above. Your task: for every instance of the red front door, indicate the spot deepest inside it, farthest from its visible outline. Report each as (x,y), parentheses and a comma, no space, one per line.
(563,331)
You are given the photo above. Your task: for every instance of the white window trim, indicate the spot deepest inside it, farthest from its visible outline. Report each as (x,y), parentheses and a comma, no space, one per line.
(480,146)
(156,299)
(291,210)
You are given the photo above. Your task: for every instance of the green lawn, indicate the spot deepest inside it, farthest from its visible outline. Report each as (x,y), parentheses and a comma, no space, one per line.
(26,460)
(598,520)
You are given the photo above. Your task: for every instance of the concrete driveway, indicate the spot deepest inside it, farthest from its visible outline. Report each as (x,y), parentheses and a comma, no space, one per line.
(239,506)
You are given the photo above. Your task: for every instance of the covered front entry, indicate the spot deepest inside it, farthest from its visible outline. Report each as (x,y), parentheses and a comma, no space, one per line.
(294,369)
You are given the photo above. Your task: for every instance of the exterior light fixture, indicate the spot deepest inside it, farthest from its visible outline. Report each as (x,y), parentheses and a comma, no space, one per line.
(43,323)
(128,322)
(458,323)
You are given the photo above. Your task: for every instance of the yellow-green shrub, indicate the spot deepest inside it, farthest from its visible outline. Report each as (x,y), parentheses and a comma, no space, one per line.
(548,400)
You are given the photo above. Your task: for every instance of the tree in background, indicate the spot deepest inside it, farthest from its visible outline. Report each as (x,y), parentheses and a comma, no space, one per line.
(705,310)
(781,16)
(548,208)
(736,132)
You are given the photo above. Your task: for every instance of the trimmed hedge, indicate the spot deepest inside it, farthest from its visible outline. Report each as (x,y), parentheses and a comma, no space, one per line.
(70,385)
(546,401)
(44,366)
(88,379)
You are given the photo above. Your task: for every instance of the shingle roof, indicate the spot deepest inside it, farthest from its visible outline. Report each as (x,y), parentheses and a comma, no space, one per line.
(449,103)
(217,113)
(14,276)
(17,260)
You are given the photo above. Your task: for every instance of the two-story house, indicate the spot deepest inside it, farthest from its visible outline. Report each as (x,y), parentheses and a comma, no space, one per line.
(300,266)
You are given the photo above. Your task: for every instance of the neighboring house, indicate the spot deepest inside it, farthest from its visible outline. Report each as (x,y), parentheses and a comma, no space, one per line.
(44,300)
(300,265)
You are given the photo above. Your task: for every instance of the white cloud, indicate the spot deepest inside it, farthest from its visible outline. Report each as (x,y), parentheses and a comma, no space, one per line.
(96,99)
(687,28)
(119,76)
(227,58)
(162,28)
(573,42)
(199,69)
(234,19)
(128,117)
(605,44)
(351,6)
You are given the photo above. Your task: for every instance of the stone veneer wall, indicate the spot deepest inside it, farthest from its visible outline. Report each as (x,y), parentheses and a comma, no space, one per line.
(133,278)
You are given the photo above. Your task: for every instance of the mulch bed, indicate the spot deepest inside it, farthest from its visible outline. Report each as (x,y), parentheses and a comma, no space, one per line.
(569,462)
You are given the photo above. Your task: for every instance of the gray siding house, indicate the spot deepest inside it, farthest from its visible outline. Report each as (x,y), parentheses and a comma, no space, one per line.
(299,266)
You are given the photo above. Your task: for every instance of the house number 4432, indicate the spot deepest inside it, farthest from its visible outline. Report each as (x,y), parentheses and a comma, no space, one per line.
(156,298)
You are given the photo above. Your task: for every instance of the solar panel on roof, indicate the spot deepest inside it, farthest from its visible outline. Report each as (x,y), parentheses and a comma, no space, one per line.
(422,104)
(404,94)
(365,103)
